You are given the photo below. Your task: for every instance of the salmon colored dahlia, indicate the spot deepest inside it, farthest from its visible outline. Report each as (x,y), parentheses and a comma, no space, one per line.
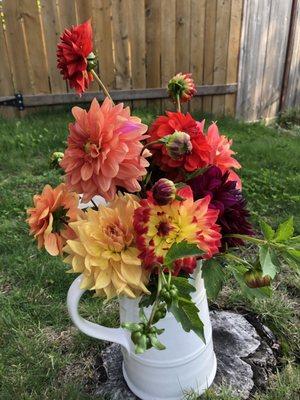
(103,151)
(49,218)
(221,153)
(105,252)
(72,55)
(167,125)
(159,227)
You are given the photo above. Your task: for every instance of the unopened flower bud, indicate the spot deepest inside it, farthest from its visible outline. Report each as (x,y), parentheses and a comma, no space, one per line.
(91,61)
(178,144)
(164,191)
(55,159)
(255,279)
(182,86)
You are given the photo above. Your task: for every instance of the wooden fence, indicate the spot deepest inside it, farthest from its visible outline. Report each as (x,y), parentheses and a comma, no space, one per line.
(142,43)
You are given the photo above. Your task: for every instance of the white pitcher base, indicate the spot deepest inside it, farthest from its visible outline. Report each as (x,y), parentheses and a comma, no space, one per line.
(198,390)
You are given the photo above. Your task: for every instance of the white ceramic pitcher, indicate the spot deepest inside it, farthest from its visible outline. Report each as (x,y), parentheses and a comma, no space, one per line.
(186,364)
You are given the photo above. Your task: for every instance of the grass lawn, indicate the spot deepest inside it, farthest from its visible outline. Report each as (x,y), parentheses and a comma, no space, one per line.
(41,355)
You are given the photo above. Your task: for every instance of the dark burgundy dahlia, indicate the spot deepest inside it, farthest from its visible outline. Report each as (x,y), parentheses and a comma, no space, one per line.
(233,216)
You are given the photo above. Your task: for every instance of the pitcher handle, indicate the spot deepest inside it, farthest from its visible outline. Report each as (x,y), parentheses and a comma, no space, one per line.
(116,335)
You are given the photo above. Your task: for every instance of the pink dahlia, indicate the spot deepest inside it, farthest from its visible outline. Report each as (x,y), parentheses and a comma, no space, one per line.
(220,154)
(103,152)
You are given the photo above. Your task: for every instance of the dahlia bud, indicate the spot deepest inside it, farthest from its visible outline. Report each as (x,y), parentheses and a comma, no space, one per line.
(255,279)
(182,86)
(91,61)
(164,191)
(178,144)
(55,159)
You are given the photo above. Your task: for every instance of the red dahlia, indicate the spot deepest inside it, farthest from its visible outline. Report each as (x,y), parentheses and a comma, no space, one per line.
(166,125)
(72,53)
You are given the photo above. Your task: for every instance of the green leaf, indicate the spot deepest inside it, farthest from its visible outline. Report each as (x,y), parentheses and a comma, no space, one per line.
(266,262)
(267,230)
(294,254)
(214,276)
(143,316)
(187,314)
(195,173)
(285,230)
(155,342)
(131,326)
(181,250)
(183,286)
(250,293)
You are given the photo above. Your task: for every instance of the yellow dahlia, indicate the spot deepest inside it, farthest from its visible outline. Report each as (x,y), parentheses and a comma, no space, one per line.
(105,252)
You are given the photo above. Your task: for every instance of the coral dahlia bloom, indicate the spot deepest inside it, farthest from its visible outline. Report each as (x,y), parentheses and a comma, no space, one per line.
(221,153)
(105,252)
(103,151)
(168,124)
(49,219)
(158,227)
(72,52)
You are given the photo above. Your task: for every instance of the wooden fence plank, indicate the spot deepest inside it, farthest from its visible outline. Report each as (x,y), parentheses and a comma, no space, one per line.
(292,95)
(137,37)
(221,46)
(52,31)
(36,50)
(16,44)
(83,10)
(182,39)
(67,13)
(168,64)
(121,43)
(102,23)
(153,48)
(197,48)
(275,55)
(252,68)
(233,52)
(6,82)
(209,49)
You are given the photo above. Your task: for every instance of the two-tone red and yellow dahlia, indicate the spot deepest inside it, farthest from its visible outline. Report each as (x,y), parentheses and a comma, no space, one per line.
(103,152)
(49,219)
(168,124)
(72,55)
(159,227)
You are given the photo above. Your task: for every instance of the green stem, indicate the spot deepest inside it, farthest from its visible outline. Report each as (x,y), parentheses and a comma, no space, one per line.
(178,103)
(247,238)
(148,145)
(156,300)
(236,258)
(101,84)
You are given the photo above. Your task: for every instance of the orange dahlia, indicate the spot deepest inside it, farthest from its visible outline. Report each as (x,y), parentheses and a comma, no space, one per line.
(105,252)
(103,152)
(159,227)
(49,219)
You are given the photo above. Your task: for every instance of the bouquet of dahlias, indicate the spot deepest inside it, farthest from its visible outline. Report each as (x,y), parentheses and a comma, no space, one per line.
(173,197)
